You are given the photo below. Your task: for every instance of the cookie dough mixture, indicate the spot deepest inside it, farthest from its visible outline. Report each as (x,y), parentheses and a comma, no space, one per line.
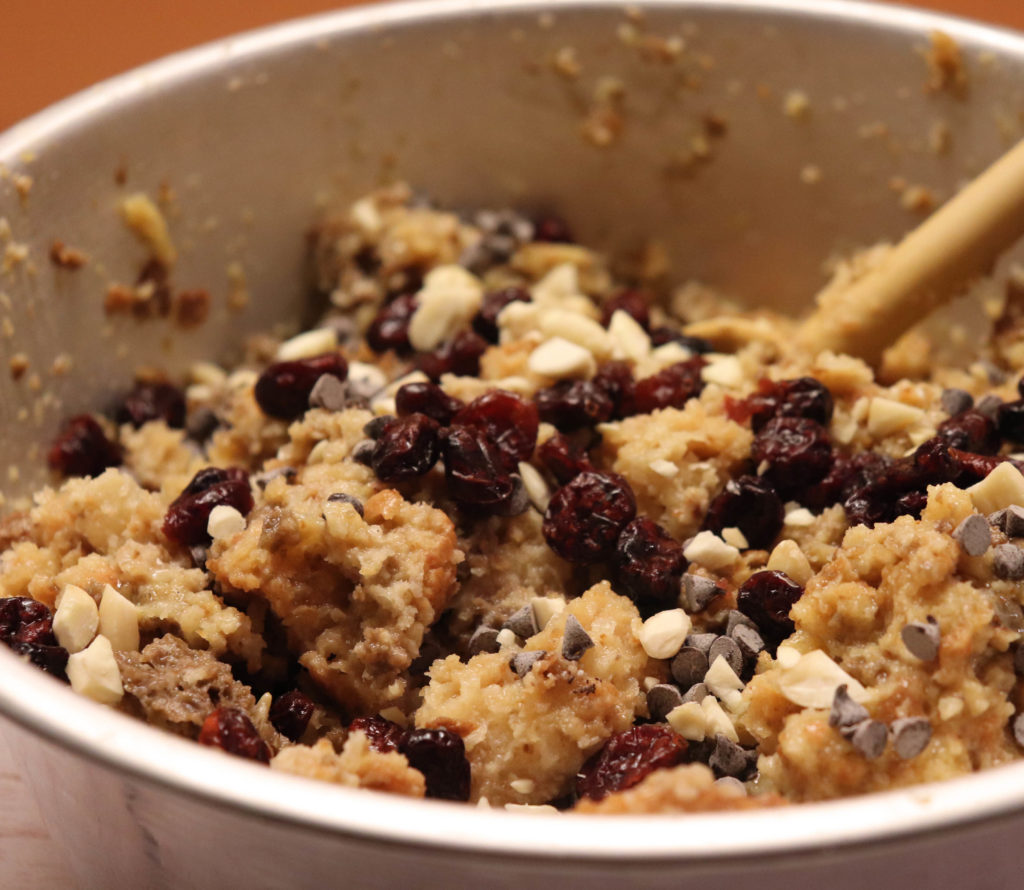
(511,526)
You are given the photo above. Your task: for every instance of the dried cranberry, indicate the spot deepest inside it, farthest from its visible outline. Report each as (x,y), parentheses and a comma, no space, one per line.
(485,322)
(766,598)
(751,505)
(283,389)
(83,449)
(971,430)
(1011,424)
(390,327)
(553,229)
(475,470)
(616,379)
(797,451)
(846,476)
(408,447)
(572,404)
(440,755)
(634,303)
(697,345)
(586,516)
(510,422)
(290,713)
(152,401)
(628,757)
(382,734)
(26,625)
(460,355)
(563,458)
(185,522)
(671,387)
(429,399)
(802,397)
(232,731)
(647,566)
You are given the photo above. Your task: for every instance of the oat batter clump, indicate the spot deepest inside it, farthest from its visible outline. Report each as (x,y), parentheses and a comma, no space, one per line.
(503,528)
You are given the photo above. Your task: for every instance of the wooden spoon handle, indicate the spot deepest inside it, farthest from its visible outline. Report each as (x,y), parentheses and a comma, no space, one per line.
(961,240)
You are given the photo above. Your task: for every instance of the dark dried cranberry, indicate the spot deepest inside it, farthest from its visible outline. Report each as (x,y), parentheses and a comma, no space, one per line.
(634,303)
(572,404)
(485,323)
(283,389)
(382,734)
(508,421)
(460,355)
(152,401)
(429,399)
(647,566)
(751,505)
(671,387)
(390,328)
(475,470)
(972,468)
(408,447)
(440,755)
(616,379)
(553,229)
(83,449)
(798,453)
(971,430)
(802,397)
(52,659)
(290,713)
(766,598)
(185,522)
(232,731)
(697,345)
(1011,424)
(846,476)
(26,625)
(628,757)
(563,458)
(585,517)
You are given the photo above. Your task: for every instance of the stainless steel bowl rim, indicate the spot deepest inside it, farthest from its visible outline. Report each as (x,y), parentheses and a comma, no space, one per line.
(33,700)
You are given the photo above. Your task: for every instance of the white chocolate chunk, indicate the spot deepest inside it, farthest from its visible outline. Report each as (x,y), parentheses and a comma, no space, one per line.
(812,681)
(224,521)
(735,537)
(119,621)
(887,416)
(561,359)
(710,551)
(725,370)
(689,721)
(448,300)
(721,679)
(1001,488)
(545,608)
(308,345)
(629,339)
(662,635)
(93,672)
(789,558)
(76,619)
(717,721)
(536,488)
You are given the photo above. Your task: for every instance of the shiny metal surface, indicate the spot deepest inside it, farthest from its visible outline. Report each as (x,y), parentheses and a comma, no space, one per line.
(461,99)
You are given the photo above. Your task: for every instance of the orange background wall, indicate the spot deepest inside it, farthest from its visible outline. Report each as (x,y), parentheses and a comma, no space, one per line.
(52,48)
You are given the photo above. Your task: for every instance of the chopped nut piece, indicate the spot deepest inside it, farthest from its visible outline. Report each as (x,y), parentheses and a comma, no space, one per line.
(119,621)
(308,344)
(886,416)
(689,720)
(76,620)
(224,521)
(711,551)
(812,681)
(1001,488)
(789,558)
(721,678)
(561,359)
(663,634)
(93,672)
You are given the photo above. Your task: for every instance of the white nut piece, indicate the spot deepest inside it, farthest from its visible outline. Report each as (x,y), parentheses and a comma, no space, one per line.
(717,721)
(448,300)
(721,679)
(886,416)
(732,535)
(1002,488)
(725,370)
(812,681)
(664,468)
(93,672)
(561,359)
(366,377)
(789,558)
(577,329)
(689,720)
(799,517)
(662,635)
(629,339)
(536,488)
(119,621)
(76,619)
(558,285)
(308,345)
(224,521)
(710,551)
(545,608)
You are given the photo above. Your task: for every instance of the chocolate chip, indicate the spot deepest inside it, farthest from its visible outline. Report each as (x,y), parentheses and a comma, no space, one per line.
(202,423)
(363,451)
(700,641)
(1008,562)
(575,640)
(1013,522)
(989,406)
(922,639)
(910,736)
(751,643)
(198,554)
(997,520)
(974,534)
(697,692)
(523,623)
(522,662)
(484,639)
(956,401)
(262,480)
(697,591)
(735,618)
(845,711)
(328,393)
(869,738)
(375,428)
(662,700)
(347,499)
(726,648)
(729,759)
(1018,729)
(996,375)
(689,666)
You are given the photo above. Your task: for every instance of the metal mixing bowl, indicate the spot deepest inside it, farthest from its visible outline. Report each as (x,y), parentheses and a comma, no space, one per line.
(476,104)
